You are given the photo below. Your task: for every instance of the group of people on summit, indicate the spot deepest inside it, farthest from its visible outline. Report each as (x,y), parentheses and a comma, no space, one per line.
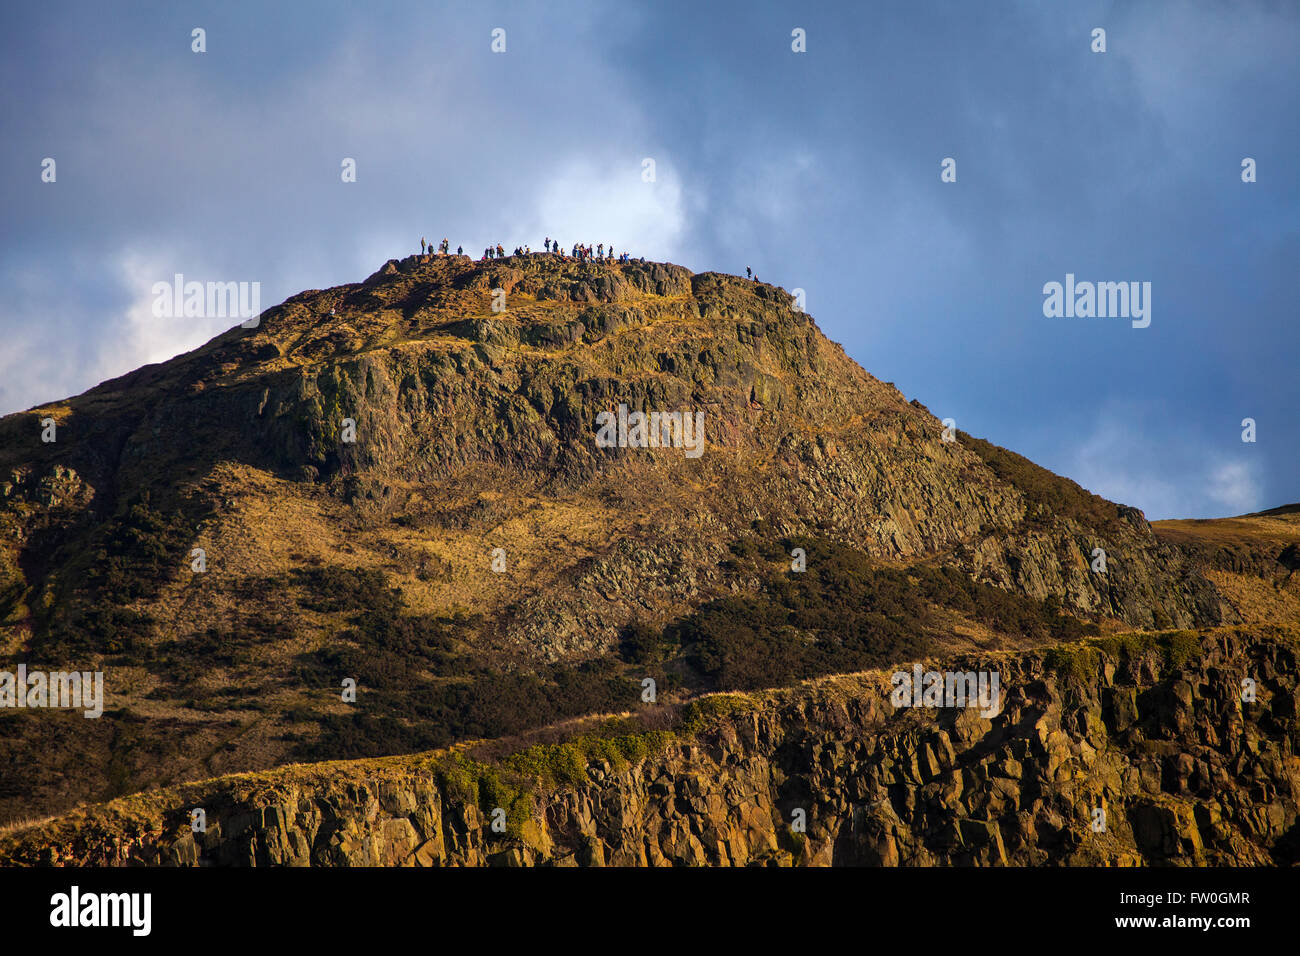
(444,248)
(583,253)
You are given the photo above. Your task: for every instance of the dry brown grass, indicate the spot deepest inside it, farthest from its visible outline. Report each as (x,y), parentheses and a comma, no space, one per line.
(1251,530)
(1259,601)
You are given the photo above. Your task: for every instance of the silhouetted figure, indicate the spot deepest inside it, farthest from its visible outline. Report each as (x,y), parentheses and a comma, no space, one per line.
(749,273)
(460,250)
(422,245)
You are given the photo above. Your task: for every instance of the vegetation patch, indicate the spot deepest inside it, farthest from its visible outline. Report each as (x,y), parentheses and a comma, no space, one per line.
(133,558)
(844,613)
(1048,494)
(421,685)
(1077,661)
(618,743)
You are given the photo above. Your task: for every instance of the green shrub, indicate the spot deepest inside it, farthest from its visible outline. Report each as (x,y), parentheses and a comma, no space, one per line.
(1180,647)
(1072,662)
(640,644)
(1175,648)
(553,763)
(703,712)
(844,613)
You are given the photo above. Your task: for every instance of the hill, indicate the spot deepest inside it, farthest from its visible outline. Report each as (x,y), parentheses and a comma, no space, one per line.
(477,563)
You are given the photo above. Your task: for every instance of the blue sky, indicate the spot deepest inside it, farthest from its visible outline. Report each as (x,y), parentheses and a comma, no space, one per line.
(820,170)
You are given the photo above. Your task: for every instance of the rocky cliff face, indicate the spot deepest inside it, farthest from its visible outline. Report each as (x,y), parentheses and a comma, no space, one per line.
(448,395)
(397,482)
(1129,750)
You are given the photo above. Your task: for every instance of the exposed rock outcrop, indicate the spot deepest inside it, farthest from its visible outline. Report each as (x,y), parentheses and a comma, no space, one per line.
(476,492)
(1123,751)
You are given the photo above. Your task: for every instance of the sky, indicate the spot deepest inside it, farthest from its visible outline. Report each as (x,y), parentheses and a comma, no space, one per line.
(820,170)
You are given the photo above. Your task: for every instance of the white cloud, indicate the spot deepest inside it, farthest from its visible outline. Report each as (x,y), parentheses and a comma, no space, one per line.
(34,364)
(609,202)
(1166,474)
(1237,486)
(60,338)
(136,336)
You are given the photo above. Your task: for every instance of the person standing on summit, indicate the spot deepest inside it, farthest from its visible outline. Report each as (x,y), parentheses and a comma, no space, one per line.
(422,245)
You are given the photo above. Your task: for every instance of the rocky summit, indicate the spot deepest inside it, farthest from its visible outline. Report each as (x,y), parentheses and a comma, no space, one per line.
(537,560)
